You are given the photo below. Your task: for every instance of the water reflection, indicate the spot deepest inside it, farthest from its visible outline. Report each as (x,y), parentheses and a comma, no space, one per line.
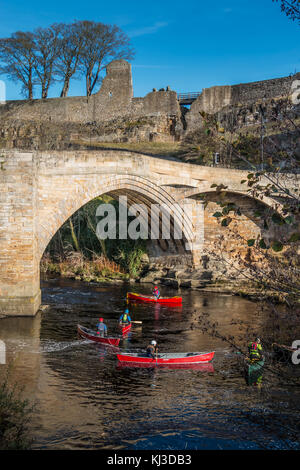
(200,367)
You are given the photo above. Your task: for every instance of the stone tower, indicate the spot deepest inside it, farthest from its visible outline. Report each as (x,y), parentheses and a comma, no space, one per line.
(116,88)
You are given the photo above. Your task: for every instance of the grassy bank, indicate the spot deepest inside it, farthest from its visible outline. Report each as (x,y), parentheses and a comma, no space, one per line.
(156,149)
(76,266)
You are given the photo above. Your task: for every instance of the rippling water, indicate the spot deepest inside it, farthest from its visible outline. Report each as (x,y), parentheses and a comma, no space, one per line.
(85,400)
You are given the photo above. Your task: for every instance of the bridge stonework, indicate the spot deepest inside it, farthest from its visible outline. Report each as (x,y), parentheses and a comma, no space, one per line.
(39,191)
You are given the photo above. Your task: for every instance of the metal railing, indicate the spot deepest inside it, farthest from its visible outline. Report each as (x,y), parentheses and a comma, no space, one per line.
(188,97)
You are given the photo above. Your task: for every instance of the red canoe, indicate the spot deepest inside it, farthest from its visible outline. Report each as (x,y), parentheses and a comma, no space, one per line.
(150,298)
(92,335)
(166,359)
(125,329)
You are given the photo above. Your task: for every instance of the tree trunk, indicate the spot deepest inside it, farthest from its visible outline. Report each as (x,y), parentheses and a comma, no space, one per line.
(44,93)
(92,228)
(88,84)
(30,86)
(65,90)
(96,78)
(74,238)
(30,91)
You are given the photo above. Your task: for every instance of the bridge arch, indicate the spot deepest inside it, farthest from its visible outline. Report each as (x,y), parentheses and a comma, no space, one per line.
(138,190)
(269,202)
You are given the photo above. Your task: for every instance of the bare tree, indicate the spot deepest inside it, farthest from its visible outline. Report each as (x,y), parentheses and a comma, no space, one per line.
(47,48)
(60,52)
(17,59)
(70,47)
(102,44)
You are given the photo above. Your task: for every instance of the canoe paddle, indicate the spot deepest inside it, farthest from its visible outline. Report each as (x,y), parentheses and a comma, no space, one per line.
(114,319)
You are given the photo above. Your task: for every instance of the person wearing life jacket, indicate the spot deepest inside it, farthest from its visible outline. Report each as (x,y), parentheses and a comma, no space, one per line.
(156,292)
(152,349)
(125,318)
(255,350)
(101,328)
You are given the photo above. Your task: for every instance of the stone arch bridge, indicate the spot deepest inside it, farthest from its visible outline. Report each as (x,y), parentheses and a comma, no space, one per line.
(39,191)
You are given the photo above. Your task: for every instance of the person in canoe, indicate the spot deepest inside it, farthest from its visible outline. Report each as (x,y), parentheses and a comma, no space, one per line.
(125,318)
(101,328)
(156,292)
(152,349)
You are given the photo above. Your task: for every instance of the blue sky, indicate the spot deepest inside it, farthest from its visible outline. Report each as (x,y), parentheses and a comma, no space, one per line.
(187,45)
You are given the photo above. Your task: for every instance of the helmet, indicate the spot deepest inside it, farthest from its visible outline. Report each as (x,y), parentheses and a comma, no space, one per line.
(153,342)
(100,319)
(126,311)
(258,340)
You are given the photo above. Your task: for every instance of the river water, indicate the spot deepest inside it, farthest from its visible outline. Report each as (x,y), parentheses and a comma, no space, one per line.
(85,400)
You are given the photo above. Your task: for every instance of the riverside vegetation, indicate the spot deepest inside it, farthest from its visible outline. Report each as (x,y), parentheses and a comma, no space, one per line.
(15,414)
(76,252)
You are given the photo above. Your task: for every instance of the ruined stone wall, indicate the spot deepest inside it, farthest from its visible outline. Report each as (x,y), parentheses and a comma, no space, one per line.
(256,91)
(48,135)
(76,109)
(114,100)
(215,99)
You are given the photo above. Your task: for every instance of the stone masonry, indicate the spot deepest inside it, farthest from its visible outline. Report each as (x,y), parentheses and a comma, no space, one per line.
(115,100)
(39,191)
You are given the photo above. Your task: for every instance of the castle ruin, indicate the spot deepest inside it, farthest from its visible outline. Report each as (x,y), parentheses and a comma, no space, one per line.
(115,99)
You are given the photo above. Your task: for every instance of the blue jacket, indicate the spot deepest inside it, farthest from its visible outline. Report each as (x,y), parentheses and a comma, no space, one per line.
(101,327)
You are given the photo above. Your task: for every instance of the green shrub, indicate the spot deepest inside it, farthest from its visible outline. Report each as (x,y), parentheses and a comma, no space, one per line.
(15,414)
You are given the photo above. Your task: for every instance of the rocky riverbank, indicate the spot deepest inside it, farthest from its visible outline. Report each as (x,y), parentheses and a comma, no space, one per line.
(204,280)
(177,277)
